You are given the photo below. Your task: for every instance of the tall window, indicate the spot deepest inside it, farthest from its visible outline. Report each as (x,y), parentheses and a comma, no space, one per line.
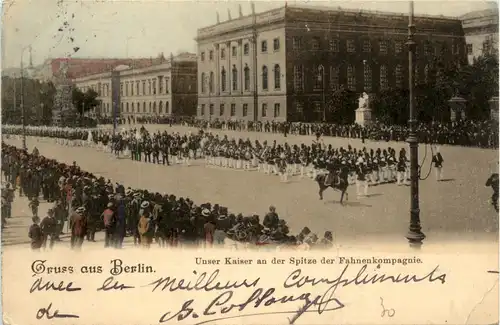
(246,49)
(202,113)
(277,76)
(144,107)
(427,48)
(167,85)
(296,43)
(264,110)
(384,83)
(128,107)
(160,85)
(167,108)
(351,78)
(202,56)
(222,54)
(398,47)
(263,46)
(351,46)
(235,78)
(469,49)
(315,44)
(383,47)
(276,44)
(367,71)
(233,109)
(426,74)
(264,78)
(154,86)
(149,87)
(137,87)
(160,107)
(143,87)
(121,88)
(245,109)
(334,77)
(399,76)
(211,82)
(154,107)
(223,79)
(318,77)
(203,81)
(131,88)
(150,107)
(367,46)
(247,78)
(133,108)
(211,55)
(126,88)
(334,45)
(211,109)
(221,110)
(276,110)
(234,51)
(298,77)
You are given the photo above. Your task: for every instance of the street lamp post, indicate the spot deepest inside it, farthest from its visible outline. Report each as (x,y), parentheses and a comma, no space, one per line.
(415,235)
(23,117)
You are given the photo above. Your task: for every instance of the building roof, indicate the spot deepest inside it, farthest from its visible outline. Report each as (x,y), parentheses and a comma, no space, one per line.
(479,14)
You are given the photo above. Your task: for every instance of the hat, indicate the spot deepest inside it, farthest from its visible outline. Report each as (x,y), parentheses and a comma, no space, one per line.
(205,213)
(145,204)
(110,204)
(80,210)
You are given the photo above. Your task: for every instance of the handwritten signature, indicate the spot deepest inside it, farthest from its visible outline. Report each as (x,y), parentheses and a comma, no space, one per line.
(47,313)
(261,298)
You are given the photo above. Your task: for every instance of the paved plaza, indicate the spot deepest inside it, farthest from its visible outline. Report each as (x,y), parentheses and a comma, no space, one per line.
(457,208)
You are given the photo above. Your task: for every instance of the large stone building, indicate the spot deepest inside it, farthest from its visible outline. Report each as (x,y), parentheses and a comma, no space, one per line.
(283,64)
(481,32)
(163,89)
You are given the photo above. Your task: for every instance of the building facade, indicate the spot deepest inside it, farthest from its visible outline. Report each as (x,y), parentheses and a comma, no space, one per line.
(159,90)
(481,33)
(284,63)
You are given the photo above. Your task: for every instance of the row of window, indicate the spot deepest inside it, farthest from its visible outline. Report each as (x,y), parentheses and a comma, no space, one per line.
(141,89)
(127,88)
(320,77)
(133,108)
(207,81)
(263,112)
(246,50)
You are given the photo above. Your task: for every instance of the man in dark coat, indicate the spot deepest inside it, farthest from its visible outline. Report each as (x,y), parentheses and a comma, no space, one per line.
(36,235)
(78,227)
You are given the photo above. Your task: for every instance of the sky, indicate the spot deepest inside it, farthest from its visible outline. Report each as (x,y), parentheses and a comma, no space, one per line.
(145,28)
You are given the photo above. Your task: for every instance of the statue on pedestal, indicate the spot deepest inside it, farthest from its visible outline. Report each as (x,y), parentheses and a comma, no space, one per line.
(364,113)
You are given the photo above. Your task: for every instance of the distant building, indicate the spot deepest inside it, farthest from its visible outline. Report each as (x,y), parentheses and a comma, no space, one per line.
(163,89)
(283,63)
(481,32)
(79,67)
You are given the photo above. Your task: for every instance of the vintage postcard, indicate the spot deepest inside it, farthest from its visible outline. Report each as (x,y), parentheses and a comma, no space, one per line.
(268,162)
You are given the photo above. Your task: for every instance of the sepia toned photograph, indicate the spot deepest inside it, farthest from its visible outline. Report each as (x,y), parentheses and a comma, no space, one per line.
(228,134)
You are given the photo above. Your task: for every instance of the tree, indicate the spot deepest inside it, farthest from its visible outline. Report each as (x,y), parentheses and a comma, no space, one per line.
(341,106)
(84,102)
(38,101)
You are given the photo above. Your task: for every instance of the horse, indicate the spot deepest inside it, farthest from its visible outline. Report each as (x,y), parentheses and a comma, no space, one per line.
(341,186)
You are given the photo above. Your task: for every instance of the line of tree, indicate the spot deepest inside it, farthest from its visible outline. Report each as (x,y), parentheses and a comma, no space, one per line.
(84,101)
(38,101)
(476,83)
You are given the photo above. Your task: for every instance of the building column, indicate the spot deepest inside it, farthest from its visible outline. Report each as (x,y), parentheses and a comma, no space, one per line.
(240,49)
(230,68)
(217,69)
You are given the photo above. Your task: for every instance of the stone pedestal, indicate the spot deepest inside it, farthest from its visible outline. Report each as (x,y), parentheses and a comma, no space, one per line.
(363,116)
(493,102)
(457,108)
(364,111)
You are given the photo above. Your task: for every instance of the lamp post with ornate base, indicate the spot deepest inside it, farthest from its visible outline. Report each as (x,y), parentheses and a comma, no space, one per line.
(414,235)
